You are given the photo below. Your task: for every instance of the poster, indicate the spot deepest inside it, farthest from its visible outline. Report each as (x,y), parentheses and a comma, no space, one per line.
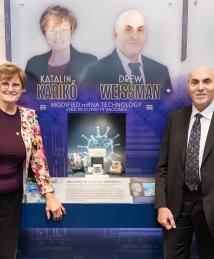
(58,99)
(75,75)
(77,70)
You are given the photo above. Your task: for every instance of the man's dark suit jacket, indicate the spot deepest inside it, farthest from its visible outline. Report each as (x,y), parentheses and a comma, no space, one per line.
(38,65)
(108,69)
(171,166)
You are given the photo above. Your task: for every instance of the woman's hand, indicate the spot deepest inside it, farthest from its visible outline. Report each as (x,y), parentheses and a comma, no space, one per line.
(54,206)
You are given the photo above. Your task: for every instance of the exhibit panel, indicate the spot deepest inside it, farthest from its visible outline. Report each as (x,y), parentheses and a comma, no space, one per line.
(101,121)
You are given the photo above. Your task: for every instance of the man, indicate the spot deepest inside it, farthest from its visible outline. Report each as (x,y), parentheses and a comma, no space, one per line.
(185,177)
(126,64)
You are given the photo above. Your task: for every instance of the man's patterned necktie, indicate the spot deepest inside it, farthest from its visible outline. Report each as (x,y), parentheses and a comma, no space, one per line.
(192,179)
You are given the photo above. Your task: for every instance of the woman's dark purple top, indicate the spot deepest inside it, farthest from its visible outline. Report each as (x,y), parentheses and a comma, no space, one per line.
(12,152)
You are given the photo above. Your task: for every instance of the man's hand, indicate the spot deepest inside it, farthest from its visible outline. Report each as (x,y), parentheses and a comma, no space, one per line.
(54,206)
(166,219)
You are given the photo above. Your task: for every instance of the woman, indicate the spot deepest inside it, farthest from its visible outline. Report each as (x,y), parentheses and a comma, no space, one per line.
(58,24)
(20,146)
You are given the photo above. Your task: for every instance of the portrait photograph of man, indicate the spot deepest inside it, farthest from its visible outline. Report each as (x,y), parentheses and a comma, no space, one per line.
(127,64)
